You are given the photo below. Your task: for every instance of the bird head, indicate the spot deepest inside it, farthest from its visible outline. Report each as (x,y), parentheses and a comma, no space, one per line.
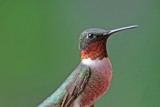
(93,42)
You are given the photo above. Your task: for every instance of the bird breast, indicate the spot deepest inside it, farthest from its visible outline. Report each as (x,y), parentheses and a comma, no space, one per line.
(99,82)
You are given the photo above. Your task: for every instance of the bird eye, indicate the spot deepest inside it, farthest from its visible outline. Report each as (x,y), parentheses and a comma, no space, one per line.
(90,36)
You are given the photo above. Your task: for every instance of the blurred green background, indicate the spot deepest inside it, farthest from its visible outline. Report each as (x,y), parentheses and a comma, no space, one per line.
(39,49)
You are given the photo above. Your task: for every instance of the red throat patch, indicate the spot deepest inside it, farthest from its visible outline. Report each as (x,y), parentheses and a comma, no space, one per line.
(95,50)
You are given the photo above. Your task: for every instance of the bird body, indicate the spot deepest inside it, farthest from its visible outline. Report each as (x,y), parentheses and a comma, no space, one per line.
(92,78)
(98,84)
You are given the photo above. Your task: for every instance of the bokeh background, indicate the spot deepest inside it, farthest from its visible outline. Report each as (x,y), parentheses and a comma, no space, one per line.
(39,49)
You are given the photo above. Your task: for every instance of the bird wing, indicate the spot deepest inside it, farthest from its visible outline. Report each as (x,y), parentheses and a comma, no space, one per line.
(70,89)
(76,86)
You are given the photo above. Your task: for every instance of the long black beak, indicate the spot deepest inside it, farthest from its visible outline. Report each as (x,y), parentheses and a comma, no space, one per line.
(120,29)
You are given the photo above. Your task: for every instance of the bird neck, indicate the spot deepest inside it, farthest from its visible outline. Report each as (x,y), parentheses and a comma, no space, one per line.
(96,50)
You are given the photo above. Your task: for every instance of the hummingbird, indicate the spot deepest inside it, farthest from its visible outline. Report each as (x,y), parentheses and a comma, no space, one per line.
(92,78)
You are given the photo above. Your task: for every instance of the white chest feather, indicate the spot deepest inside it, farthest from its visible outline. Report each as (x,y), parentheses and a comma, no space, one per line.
(96,63)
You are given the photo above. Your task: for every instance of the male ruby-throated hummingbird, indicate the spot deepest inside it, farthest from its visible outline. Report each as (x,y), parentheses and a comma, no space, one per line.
(92,78)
